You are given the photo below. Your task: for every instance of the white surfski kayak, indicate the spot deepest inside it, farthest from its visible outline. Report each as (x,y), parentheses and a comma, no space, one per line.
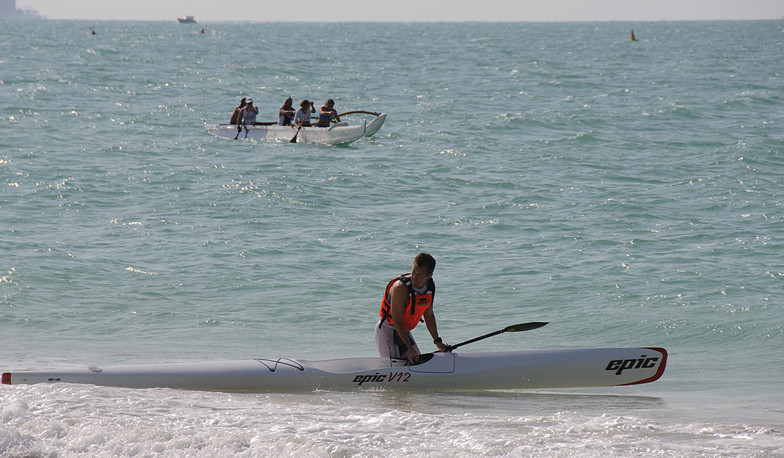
(566,368)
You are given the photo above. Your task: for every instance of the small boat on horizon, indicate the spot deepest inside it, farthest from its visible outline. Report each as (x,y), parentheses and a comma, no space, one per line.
(186,20)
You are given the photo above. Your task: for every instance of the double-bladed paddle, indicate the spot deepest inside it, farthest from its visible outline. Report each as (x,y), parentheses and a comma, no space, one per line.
(514,328)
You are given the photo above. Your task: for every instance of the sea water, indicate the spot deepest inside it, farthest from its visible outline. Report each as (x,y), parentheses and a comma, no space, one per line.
(629,193)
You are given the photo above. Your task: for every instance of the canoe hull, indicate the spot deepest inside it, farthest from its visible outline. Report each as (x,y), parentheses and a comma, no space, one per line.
(338,134)
(592,367)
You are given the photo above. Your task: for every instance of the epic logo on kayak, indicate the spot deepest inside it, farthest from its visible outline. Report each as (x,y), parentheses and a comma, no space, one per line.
(620,365)
(402,377)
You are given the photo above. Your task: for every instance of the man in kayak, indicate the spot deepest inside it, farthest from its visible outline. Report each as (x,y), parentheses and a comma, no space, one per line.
(407,299)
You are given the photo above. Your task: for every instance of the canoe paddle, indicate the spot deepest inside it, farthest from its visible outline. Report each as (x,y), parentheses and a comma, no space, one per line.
(294,139)
(514,328)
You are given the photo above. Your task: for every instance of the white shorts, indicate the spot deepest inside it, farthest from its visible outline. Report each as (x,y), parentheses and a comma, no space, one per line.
(389,345)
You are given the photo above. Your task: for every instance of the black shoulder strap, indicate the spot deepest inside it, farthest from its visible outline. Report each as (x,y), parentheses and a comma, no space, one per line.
(406,279)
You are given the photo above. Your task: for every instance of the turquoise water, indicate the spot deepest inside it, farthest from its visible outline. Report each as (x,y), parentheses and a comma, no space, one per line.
(629,193)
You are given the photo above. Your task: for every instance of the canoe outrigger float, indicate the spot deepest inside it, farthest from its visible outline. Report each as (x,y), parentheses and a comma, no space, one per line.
(567,368)
(337,134)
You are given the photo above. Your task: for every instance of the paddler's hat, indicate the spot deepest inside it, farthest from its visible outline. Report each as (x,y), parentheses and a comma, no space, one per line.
(249,100)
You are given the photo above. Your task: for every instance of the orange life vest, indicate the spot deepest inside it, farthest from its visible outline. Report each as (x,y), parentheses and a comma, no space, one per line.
(417,303)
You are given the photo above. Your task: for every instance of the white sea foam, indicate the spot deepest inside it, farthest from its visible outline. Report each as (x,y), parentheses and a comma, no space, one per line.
(77,420)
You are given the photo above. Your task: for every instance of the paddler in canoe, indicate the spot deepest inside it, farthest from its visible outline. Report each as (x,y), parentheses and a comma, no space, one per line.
(407,299)
(236,113)
(247,116)
(286,113)
(328,114)
(302,116)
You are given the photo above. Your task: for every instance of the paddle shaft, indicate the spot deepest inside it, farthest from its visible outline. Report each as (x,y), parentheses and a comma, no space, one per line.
(515,328)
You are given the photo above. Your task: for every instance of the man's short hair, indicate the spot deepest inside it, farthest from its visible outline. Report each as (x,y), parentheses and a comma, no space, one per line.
(426,261)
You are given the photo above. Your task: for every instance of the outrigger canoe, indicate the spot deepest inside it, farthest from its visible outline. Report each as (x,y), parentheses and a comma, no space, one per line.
(337,134)
(567,368)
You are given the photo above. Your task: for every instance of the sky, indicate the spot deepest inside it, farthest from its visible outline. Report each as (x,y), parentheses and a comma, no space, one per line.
(408,10)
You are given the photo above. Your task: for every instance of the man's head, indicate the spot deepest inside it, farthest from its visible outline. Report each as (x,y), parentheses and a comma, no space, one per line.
(423,268)
(426,261)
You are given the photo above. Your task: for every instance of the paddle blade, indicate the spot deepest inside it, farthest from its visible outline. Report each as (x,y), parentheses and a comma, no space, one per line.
(525,326)
(294,138)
